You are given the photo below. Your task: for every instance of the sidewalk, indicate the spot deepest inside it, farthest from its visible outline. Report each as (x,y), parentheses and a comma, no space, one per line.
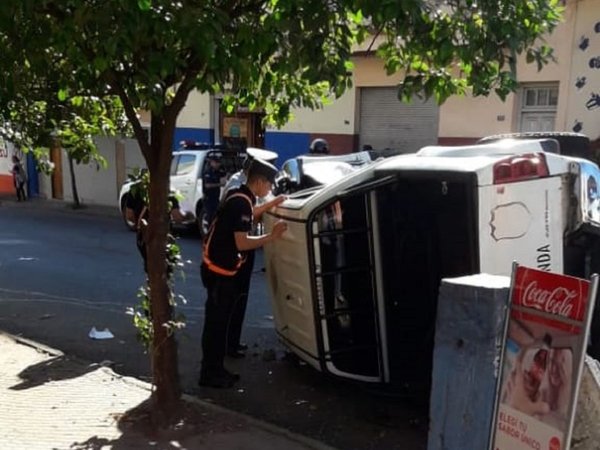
(59,205)
(51,401)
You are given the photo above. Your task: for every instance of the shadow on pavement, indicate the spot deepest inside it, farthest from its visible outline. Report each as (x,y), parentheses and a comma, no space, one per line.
(55,369)
(193,426)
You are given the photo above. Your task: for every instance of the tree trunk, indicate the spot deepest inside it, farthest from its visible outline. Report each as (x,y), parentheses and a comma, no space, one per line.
(167,393)
(76,201)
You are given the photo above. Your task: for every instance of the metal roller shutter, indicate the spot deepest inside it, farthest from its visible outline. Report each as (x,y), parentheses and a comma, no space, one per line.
(387,123)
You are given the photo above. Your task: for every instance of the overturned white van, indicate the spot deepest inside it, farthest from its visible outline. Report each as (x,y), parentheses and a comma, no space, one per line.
(355,279)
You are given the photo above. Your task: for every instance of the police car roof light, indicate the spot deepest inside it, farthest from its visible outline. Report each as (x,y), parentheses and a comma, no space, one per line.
(520,167)
(195,145)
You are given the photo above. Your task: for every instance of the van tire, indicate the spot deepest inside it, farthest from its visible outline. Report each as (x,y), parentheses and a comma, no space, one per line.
(571,144)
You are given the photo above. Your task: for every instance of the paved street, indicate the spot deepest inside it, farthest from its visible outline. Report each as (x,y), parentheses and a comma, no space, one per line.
(63,272)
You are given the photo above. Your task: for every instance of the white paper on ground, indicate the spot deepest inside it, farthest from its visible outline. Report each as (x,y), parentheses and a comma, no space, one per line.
(104,334)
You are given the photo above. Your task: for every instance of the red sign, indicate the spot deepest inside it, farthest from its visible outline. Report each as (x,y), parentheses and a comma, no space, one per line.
(542,360)
(560,295)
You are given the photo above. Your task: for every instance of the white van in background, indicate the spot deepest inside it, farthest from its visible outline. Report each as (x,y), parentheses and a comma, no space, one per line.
(187,168)
(354,281)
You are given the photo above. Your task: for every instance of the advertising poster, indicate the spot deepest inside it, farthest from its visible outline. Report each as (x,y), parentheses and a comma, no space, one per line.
(545,344)
(235,127)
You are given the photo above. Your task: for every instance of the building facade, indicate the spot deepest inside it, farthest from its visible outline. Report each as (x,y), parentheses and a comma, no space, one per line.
(564,96)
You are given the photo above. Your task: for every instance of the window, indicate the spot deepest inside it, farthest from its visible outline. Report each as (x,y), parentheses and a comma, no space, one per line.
(174,162)
(540,98)
(186,164)
(538,107)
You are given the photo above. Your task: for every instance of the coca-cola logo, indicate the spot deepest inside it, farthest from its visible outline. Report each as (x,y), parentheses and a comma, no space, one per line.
(558,301)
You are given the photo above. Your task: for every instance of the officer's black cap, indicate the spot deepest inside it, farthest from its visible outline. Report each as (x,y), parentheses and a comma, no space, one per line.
(260,167)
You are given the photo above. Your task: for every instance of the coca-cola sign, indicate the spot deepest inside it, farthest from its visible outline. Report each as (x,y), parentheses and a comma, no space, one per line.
(554,294)
(546,335)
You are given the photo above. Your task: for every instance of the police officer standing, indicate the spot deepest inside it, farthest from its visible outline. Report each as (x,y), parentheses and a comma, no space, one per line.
(236,348)
(223,254)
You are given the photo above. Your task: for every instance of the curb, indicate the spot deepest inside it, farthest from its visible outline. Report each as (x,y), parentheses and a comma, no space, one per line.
(35,345)
(304,440)
(64,206)
(137,383)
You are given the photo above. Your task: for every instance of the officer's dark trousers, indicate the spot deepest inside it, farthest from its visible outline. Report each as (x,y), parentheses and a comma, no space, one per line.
(222,294)
(242,277)
(211,204)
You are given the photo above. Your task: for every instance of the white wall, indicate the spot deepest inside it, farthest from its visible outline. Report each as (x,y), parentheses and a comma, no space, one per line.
(338,117)
(196,112)
(7,150)
(100,186)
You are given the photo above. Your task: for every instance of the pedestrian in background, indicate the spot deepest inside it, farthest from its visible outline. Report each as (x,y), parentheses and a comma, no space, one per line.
(228,239)
(19,178)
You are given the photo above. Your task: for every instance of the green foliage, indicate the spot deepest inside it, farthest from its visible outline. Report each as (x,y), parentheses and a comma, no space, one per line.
(141,184)
(269,55)
(141,313)
(447,49)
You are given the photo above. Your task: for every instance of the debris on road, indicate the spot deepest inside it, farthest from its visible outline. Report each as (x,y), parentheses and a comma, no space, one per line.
(103,334)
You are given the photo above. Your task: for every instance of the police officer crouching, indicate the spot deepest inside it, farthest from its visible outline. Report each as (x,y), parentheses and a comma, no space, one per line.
(223,254)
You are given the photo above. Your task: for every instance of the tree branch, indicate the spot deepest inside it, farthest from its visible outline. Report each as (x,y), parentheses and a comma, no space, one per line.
(130,111)
(187,84)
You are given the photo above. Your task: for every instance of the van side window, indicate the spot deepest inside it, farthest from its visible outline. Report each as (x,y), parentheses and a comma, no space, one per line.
(174,162)
(345,284)
(186,164)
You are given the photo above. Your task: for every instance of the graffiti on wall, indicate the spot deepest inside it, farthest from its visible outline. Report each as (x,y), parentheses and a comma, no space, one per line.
(588,47)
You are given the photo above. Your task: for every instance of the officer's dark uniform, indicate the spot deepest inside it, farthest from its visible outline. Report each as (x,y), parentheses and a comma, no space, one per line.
(211,195)
(220,265)
(221,261)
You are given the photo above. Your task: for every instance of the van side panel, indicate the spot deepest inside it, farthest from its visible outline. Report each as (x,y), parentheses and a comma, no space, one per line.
(287,270)
(521,222)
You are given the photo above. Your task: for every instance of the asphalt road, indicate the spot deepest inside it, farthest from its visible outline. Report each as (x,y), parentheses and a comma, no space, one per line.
(63,272)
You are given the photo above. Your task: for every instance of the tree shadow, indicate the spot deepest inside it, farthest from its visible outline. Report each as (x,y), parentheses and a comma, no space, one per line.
(54,369)
(143,428)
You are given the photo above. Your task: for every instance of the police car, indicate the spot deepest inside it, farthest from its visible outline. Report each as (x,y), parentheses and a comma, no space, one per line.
(354,281)
(187,167)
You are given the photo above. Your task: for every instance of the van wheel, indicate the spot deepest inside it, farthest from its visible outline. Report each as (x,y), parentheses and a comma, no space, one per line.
(571,144)
(129,224)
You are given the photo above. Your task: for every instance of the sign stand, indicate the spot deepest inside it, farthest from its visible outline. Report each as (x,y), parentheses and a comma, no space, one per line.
(545,339)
